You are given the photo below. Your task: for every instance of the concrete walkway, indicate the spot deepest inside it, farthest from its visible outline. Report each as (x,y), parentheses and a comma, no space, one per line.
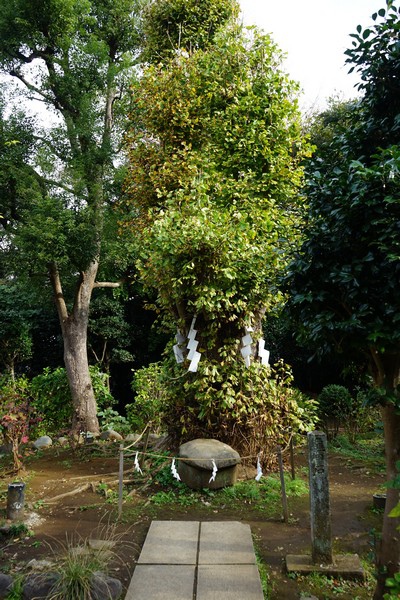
(192,560)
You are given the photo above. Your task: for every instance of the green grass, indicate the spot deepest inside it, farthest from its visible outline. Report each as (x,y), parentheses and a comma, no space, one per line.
(327,588)
(264,495)
(367,449)
(264,577)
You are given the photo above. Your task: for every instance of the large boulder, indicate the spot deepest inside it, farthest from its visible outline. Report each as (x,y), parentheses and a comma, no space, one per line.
(6,583)
(38,586)
(103,587)
(195,466)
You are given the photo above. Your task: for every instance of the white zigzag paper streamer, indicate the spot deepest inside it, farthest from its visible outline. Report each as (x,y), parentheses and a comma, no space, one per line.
(193,355)
(214,471)
(174,471)
(263,353)
(259,470)
(247,340)
(137,466)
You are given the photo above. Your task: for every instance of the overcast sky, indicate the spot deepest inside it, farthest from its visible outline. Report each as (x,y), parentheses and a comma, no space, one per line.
(314,34)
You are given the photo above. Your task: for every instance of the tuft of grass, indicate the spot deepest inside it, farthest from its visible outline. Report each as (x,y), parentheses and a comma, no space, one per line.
(76,562)
(16,592)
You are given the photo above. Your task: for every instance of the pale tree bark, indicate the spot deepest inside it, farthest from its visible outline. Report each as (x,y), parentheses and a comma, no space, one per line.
(387,375)
(74,331)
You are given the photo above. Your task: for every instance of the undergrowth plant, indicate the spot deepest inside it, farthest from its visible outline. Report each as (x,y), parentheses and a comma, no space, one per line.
(17,417)
(252,409)
(78,563)
(52,397)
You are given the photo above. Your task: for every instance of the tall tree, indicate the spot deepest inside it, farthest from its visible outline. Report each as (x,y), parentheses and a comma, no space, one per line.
(215,154)
(74,57)
(344,282)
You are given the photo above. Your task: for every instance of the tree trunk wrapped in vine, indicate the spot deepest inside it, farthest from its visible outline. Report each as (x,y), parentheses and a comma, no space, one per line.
(215,150)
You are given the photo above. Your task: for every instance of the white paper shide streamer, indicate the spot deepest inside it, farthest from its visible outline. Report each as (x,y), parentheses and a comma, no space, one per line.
(214,471)
(174,471)
(259,470)
(246,351)
(178,352)
(136,463)
(263,353)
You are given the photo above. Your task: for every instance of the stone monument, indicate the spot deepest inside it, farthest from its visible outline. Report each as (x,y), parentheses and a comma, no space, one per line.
(322,559)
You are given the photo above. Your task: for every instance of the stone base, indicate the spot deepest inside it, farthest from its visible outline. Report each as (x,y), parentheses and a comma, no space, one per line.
(344,565)
(197,479)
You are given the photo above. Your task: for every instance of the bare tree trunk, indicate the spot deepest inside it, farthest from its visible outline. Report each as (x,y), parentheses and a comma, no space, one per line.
(388,550)
(74,330)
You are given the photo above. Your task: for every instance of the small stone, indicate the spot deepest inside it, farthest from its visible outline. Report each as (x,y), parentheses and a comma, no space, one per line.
(111,436)
(105,588)
(63,441)
(132,437)
(5,529)
(40,565)
(43,442)
(101,545)
(6,583)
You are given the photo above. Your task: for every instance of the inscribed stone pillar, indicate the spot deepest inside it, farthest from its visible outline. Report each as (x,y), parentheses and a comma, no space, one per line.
(321,538)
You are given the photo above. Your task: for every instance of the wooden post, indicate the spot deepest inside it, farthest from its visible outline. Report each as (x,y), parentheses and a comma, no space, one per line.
(283,486)
(121,479)
(292,457)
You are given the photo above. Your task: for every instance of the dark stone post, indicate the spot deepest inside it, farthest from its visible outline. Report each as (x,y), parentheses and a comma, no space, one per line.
(321,538)
(15,501)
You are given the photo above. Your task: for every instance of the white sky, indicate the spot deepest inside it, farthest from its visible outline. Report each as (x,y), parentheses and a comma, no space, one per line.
(314,34)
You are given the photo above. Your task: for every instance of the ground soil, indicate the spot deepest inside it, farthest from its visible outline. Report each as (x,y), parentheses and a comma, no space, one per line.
(89,515)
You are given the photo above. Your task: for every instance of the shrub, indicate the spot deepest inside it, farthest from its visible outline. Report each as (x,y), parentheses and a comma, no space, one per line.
(252,409)
(17,416)
(149,385)
(335,406)
(111,419)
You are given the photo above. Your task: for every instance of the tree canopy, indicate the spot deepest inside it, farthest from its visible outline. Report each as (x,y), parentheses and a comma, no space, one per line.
(215,151)
(344,283)
(75,57)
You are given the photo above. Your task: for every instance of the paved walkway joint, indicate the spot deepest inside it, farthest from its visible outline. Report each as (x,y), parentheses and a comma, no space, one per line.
(192,560)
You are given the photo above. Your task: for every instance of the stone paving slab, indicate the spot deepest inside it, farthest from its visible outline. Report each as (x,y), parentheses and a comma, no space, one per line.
(171,543)
(226,543)
(228,582)
(162,582)
(189,560)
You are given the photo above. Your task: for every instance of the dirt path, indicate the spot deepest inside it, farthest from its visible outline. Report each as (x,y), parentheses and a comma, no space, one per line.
(88,515)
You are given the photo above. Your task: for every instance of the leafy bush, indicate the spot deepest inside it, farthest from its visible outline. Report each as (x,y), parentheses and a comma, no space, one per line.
(52,396)
(335,406)
(252,409)
(150,399)
(17,416)
(111,419)
(338,408)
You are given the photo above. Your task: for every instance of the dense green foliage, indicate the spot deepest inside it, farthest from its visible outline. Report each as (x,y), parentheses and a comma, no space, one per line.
(75,57)
(344,283)
(52,397)
(215,152)
(173,26)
